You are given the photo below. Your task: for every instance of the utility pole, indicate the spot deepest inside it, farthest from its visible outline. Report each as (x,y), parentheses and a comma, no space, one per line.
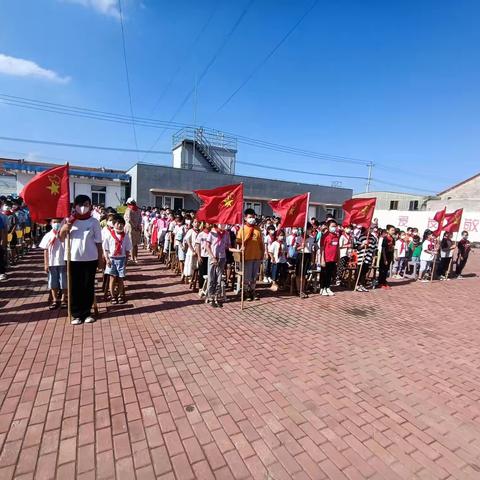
(369,179)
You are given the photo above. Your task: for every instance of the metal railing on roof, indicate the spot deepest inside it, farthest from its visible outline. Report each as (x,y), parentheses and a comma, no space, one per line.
(215,138)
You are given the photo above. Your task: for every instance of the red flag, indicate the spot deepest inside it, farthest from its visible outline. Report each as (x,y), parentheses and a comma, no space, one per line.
(47,195)
(293,211)
(453,221)
(439,218)
(222,204)
(359,211)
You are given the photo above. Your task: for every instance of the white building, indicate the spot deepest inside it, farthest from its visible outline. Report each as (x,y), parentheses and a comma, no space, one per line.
(104,186)
(464,195)
(396,200)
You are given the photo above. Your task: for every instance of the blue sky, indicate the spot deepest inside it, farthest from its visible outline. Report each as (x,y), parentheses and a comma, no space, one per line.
(395,83)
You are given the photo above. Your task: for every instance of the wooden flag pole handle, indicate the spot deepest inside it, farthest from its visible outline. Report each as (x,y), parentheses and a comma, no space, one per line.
(450,263)
(69,277)
(242,298)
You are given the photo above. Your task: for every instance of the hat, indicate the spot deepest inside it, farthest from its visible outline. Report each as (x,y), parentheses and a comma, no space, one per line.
(130,200)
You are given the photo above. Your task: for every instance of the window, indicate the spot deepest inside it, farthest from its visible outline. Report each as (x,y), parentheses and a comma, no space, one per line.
(177,203)
(332,211)
(257,207)
(393,204)
(99,194)
(167,201)
(413,205)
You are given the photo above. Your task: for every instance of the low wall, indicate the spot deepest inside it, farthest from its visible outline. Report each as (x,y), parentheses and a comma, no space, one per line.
(424,219)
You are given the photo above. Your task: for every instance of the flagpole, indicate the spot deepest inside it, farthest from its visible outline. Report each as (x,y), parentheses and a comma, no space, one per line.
(434,260)
(243,269)
(304,240)
(456,243)
(69,277)
(363,259)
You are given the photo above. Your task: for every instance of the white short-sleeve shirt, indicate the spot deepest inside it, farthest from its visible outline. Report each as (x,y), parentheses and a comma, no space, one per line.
(56,250)
(85,235)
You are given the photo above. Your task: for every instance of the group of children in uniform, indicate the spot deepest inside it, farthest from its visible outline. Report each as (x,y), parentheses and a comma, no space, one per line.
(334,253)
(116,246)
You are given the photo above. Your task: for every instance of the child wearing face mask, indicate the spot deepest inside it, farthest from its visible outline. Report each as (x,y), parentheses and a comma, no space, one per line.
(251,236)
(329,257)
(278,254)
(463,251)
(55,266)
(190,256)
(345,247)
(401,249)
(116,250)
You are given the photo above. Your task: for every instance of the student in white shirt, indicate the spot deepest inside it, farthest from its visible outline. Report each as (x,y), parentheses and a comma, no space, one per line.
(428,254)
(117,246)
(278,253)
(305,250)
(86,257)
(54,259)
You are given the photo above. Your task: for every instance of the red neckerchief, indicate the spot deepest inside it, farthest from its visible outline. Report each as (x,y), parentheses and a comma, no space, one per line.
(294,240)
(133,207)
(220,235)
(8,213)
(272,237)
(77,216)
(118,242)
(402,248)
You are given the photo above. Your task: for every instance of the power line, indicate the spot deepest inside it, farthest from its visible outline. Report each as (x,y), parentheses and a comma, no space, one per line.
(81,145)
(127,73)
(81,112)
(207,67)
(252,164)
(399,185)
(291,170)
(191,48)
(269,55)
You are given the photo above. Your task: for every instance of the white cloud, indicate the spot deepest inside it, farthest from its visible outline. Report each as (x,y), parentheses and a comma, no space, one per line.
(106,7)
(20,67)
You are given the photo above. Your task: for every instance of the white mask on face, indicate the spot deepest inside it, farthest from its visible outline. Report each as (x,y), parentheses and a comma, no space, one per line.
(188,222)
(251,220)
(110,223)
(81,210)
(332,229)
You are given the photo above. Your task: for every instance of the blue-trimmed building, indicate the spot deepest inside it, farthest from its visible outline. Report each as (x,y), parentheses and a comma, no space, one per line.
(104,186)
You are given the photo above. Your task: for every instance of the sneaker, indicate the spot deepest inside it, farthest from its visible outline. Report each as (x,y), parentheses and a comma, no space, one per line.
(76,321)
(90,320)
(460,277)
(425,281)
(330,293)
(265,280)
(3,276)
(324,292)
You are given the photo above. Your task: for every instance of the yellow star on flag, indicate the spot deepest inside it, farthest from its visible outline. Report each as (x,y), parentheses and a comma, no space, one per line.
(54,186)
(228,201)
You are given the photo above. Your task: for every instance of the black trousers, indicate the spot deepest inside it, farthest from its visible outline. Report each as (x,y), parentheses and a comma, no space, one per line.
(461,262)
(3,260)
(444,263)
(383,271)
(83,287)
(202,270)
(326,274)
(363,274)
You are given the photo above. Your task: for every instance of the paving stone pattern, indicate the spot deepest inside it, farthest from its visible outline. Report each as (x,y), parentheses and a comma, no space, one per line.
(384,385)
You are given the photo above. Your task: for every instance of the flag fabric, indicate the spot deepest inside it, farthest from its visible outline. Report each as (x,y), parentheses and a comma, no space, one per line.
(222,205)
(47,195)
(359,211)
(453,221)
(293,211)
(439,218)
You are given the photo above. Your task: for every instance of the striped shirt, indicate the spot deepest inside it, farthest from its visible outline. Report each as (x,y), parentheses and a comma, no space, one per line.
(369,252)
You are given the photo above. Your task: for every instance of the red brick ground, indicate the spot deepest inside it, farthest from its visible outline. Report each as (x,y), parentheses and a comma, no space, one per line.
(384,385)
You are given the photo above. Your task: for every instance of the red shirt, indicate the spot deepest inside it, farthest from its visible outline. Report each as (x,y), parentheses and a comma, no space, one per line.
(329,246)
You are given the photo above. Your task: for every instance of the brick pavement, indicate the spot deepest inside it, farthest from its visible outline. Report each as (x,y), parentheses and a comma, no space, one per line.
(384,385)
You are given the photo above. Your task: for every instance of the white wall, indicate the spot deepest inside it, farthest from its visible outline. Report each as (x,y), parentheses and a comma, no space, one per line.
(424,220)
(83,186)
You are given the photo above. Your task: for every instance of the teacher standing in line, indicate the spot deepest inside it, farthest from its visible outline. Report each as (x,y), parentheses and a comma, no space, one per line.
(86,257)
(133,226)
